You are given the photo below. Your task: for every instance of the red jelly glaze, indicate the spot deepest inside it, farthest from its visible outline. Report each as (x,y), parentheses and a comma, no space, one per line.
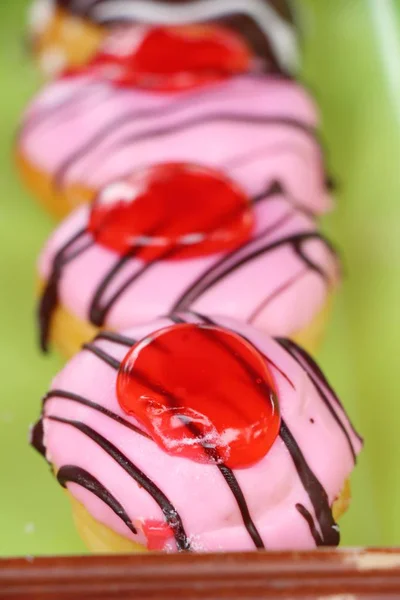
(201,392)
(175,58)
(172,211)
(157,533)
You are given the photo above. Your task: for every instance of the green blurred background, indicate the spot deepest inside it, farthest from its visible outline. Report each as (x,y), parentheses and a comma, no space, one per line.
(352,64)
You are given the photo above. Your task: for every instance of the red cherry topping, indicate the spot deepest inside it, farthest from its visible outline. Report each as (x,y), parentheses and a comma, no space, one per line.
(201,392)
(172,58)
(171,211)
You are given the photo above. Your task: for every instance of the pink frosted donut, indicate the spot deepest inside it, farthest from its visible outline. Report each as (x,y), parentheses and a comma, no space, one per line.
(84,131)
(282,500)
(279,279)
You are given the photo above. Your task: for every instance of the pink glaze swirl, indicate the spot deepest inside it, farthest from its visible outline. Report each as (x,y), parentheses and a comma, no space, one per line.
(281,502)
(256,129)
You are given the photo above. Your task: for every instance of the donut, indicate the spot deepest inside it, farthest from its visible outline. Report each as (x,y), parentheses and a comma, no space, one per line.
(86,130)
(68,33)
(179,236)
(198,434)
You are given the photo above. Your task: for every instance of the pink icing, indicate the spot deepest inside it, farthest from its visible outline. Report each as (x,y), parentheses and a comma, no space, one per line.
(255,128)
(208,510)
(275,289)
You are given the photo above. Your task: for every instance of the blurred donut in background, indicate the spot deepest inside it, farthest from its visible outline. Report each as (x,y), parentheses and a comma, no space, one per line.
(67,33)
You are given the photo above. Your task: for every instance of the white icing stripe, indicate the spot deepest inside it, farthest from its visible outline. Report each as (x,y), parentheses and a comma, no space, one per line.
(280,34)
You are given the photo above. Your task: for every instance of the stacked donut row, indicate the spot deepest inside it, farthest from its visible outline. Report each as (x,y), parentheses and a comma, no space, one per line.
(187,279)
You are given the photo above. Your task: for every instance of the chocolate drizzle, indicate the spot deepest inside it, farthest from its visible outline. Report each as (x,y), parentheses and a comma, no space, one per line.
(240,499)
(312,369)
(318,496)
(261,46)
(315,374)
(117,338)
(73,474)
(236,490)
(49,299)
(37,438)
(307,516)
(170,513)
(331,183)
(275,188)
(109,360)
(55,393)
(299,250)
(98,312)
(212,276)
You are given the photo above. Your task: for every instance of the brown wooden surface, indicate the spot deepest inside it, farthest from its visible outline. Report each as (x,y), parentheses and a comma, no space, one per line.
(325,574)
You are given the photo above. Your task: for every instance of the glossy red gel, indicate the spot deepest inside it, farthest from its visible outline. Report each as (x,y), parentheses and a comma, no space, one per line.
(172,211)
(175,58)
(201,392)
(157,533)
